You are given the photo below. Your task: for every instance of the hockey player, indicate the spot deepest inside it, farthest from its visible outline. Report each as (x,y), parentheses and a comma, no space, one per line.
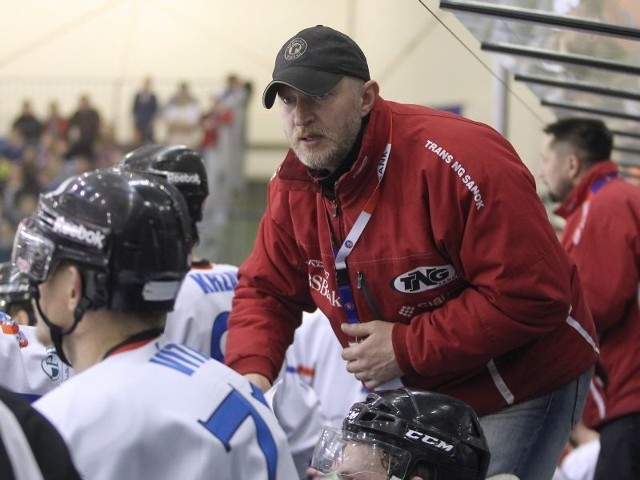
(29,368)
(108,250)
(199,318)
(405,434)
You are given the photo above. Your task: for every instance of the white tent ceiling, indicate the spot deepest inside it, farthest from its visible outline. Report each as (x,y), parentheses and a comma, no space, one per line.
(418,53)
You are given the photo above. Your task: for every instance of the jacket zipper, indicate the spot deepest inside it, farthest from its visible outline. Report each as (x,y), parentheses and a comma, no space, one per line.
(368,296)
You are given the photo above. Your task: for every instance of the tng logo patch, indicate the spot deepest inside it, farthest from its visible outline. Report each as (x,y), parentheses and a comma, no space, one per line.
(424,278)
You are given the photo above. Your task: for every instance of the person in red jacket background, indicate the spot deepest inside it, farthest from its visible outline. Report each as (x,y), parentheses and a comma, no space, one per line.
(602,235)
(420,235)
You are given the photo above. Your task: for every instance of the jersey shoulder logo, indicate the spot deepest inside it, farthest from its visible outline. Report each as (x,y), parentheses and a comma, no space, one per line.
(424,278)
(51,364)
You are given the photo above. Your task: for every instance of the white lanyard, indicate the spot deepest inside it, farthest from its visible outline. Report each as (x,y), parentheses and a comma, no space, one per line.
(345,291)
(365,215)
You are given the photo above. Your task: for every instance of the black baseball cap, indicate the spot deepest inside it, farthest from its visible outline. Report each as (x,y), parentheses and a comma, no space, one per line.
(314,61)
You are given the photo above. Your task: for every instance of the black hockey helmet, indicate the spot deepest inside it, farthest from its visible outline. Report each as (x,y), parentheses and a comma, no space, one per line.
(413,428)
(180,166)
(129,235)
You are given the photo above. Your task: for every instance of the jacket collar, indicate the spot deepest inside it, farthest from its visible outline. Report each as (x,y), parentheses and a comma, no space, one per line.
(581,192)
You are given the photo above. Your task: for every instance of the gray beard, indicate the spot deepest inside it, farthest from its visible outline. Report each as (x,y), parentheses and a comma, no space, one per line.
(332,160)
(326,162)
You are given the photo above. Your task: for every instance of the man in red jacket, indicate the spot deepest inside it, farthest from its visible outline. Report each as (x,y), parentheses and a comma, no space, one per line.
(420,235)
(602,235)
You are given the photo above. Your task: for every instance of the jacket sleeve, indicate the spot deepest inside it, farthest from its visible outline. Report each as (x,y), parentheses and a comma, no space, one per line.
(271,295)
(502,244)
(608,256)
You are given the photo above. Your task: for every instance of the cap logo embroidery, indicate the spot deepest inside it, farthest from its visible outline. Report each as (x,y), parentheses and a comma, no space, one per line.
(295,49)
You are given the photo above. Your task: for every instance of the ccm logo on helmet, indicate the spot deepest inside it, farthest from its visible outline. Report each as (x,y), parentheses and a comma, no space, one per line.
(428,439)
(424,278)
(183,178)
(78,232)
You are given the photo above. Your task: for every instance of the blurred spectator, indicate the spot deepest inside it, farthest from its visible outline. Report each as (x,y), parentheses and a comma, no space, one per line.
(233,140)
(182,117)
(7,233)
(215,121)
(107,151)
(25,201)
(21,183)
(27,124)
(84,127)
(55,125)
(11,148)
(51,157)
(145,108)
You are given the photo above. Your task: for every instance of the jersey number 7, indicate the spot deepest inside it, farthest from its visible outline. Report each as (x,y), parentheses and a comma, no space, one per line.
(231,413)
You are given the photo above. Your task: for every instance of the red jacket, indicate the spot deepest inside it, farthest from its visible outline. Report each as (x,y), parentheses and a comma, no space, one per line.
(602,235)
(459,253)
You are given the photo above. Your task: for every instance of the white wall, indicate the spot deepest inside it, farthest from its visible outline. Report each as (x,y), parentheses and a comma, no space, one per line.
(60,48)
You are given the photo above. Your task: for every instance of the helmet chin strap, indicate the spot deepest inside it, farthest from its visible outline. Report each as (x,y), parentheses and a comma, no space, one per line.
(54,330)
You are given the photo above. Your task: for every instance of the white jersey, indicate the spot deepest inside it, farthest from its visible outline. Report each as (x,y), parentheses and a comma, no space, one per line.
(579,463)
(316,354)
(164,411)
(304,394)
(299,412)
(26,366)
(199,317)
(313,389)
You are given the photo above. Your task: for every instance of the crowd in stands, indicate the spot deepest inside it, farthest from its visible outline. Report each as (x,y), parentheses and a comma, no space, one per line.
(40,151)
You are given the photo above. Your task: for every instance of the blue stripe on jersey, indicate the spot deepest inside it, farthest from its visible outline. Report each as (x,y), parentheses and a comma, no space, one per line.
(179,357)
(219,336)
(227,418)
(29,397)
(215,282)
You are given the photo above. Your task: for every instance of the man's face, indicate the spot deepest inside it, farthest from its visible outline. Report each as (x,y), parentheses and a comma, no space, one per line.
(555,168)
(363,462)
(321,130)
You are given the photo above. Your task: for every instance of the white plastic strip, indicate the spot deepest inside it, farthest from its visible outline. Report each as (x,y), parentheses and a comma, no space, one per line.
(25,466)
(499,381)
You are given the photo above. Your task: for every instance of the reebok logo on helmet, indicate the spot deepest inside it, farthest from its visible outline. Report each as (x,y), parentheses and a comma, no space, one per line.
(178,178)
(75,231)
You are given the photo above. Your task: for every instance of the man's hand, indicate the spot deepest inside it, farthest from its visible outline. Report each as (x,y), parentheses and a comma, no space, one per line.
(371,359)
(259,381)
